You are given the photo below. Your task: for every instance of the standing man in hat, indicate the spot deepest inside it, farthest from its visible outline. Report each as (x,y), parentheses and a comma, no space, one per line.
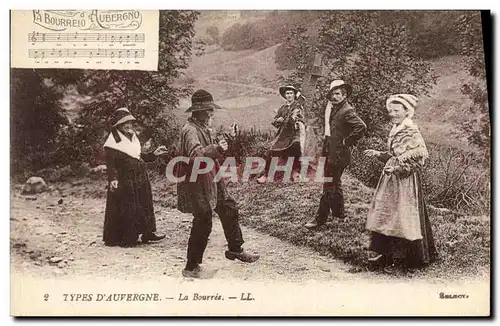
(343,129)
(290,137)
(204,195)
(129,205)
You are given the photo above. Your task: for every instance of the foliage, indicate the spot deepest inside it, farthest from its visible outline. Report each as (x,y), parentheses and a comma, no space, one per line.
(370,54)
(478,126)
(35,119)
(457,179)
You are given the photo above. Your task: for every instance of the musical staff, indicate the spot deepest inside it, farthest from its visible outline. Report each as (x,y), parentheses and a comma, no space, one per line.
(86,53)
(87,37)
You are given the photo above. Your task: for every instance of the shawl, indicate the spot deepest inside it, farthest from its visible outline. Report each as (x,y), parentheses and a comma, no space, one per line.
(124,145)
(406,143)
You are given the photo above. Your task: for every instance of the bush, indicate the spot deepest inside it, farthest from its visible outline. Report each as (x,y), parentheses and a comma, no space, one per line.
(249,143)
(457,179)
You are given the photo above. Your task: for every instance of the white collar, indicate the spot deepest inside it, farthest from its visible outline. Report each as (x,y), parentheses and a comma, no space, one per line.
(127,146)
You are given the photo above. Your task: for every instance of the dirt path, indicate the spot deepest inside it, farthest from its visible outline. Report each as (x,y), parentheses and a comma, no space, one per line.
(72,231)
(42,229)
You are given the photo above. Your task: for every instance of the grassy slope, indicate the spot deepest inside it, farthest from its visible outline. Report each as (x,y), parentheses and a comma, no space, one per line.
(438,114)
(281,210)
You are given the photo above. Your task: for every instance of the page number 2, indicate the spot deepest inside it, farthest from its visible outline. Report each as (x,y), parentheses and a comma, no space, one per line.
(46,297)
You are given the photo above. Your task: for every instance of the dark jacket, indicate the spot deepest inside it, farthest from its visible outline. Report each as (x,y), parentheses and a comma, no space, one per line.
(287,133)
(201,195)
(346,128)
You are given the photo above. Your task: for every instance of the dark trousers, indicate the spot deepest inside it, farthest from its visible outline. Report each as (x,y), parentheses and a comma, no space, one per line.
(332,198)
(202,227)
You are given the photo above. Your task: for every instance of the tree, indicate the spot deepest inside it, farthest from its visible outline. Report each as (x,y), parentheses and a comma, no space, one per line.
(478,126)
(35,118)
(367,52)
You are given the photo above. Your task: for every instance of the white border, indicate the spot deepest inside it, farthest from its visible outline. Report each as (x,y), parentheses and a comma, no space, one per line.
(188,4)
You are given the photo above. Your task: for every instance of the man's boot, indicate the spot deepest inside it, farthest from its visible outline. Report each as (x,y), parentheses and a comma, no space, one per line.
(242,255)
(323,212)
(199,272)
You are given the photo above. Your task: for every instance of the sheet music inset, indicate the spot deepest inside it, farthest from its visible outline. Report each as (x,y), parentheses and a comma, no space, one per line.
(86,39)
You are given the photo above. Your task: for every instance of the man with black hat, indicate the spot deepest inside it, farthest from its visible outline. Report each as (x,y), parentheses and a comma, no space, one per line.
(204,195)
(290,136)
(343,129)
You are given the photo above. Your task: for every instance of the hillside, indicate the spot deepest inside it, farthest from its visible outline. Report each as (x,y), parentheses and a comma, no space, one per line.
(232,76)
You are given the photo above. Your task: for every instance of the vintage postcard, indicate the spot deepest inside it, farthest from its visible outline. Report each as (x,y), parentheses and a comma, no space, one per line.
(250,163)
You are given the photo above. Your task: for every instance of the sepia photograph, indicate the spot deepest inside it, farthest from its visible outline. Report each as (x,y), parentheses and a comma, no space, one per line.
(250,162)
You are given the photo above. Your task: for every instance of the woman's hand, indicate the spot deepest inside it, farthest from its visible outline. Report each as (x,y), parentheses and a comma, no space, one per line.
(161,150)
(113,185)
(389,170)
(372,153)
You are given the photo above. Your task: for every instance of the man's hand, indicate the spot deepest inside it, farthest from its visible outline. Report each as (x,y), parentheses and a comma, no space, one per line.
(223,144)
(280,119)
(113,185)
(161,150)
(372,153)
(326,145)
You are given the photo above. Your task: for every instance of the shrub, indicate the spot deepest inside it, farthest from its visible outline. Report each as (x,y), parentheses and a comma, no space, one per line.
(457,179)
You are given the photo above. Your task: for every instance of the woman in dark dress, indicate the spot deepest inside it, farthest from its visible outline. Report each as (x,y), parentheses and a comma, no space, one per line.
(129,205)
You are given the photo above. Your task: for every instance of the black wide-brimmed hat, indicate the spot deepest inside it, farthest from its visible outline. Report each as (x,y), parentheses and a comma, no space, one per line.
(283,90)
(122,115)
(202,101)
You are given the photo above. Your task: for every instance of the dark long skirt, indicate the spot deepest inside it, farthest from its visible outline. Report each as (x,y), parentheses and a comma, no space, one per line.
(129,209)
(417,253)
